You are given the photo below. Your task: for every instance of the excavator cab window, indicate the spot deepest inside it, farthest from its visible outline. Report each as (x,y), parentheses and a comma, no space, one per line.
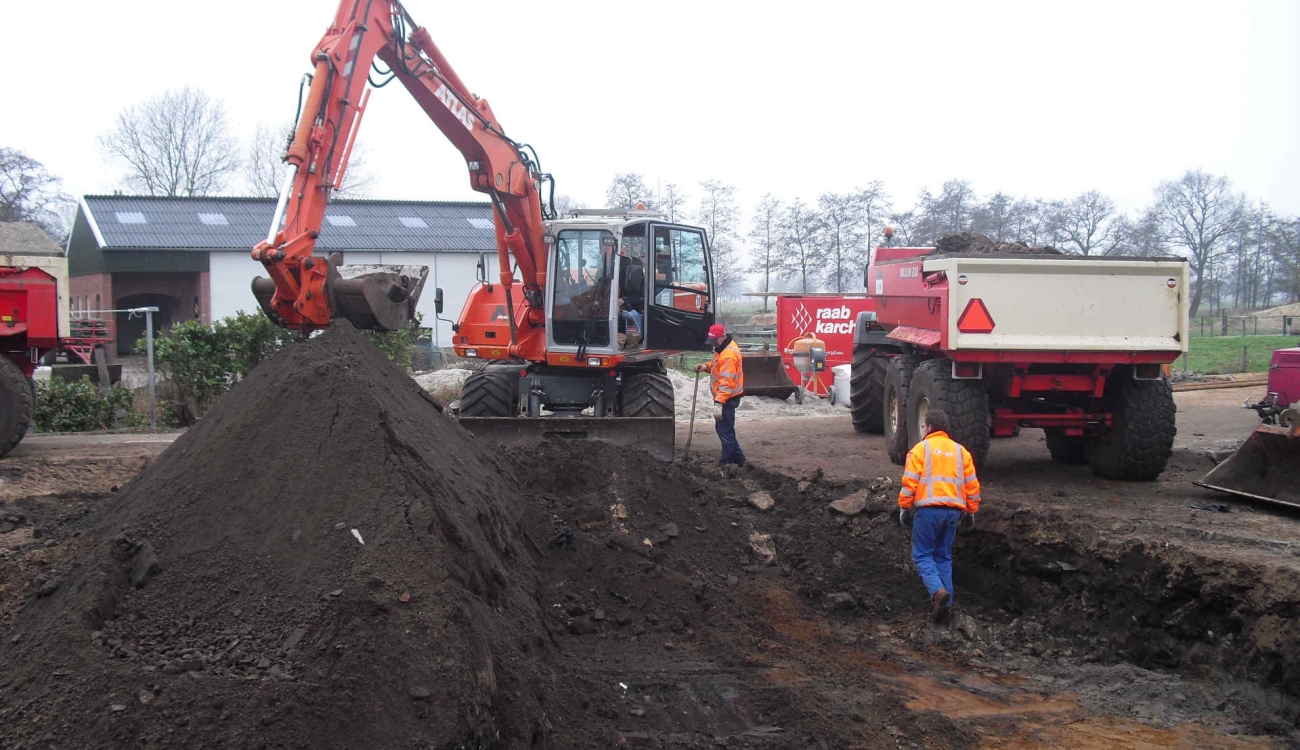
(584,271)
(682,308)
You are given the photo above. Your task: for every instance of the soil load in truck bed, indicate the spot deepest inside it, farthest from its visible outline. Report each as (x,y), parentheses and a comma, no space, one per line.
(332,561)
(972,243)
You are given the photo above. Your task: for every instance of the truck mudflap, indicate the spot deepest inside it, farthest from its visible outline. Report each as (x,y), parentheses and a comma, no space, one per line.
(655,435)
(1266,467)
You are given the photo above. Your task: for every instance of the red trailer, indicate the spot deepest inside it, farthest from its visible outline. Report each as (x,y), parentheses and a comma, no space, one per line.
(34,321)
(1076,346)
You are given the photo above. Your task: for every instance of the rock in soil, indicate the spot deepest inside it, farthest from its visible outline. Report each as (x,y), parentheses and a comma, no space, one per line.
(851,505)
(762,501)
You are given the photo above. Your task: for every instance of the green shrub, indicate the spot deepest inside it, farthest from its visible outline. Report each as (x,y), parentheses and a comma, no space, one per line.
(79,406)
(201,362)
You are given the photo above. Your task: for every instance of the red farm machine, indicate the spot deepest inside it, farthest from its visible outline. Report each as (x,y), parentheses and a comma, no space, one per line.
(34,322)
(1077,346)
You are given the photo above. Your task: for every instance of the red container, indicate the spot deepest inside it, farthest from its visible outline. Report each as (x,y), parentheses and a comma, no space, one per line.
(1284,376)
(832,318)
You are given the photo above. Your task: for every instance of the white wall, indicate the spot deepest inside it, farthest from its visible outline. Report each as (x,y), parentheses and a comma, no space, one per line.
(230,281)
(231,275)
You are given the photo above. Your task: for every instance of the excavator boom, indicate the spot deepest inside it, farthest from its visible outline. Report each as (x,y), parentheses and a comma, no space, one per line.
(304,291)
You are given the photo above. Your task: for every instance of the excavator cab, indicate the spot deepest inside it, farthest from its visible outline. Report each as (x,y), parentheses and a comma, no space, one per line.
(612,283)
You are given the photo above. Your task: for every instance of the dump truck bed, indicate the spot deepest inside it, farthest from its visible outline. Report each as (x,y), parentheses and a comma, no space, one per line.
(1035,303)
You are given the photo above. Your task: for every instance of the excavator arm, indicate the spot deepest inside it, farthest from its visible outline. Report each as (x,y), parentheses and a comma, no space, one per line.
(304,291)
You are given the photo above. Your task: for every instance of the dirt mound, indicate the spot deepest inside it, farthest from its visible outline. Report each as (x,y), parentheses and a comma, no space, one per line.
(324,561)
(972,243)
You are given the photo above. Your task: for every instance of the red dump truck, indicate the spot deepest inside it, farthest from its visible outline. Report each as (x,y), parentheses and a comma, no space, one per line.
(1077,346)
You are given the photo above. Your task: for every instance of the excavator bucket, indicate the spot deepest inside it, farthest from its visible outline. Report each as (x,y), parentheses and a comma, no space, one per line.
(765,375)
(655,435)
(1266,467)
(370,297)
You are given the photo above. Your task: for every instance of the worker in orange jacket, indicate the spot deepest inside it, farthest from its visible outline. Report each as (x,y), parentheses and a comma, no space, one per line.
(727,381)
(940,491)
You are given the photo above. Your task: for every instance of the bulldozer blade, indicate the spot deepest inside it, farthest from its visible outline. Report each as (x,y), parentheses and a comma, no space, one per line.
(655,435)
(765,375)
(1266,467)
(377,297)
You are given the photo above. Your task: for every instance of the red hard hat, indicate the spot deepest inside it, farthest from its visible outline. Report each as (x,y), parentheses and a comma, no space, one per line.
(716,331)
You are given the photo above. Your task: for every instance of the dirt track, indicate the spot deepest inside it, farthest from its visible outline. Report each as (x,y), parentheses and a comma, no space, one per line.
(1094,614)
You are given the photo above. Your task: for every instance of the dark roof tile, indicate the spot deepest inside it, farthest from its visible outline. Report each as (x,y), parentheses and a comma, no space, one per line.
(193,224)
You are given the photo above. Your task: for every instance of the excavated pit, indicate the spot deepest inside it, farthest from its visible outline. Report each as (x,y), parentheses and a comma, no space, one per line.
(586,596)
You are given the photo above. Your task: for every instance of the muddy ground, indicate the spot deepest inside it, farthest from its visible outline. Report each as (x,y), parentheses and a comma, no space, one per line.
(1092,614)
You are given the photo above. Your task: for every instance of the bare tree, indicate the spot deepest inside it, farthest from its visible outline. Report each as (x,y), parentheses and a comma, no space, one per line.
(626,190)
(719,216)
(798,227)
(28,192)
(873,202)
(673,202)
(1197,212)
(264,167)
(1088,224)
(840,250)
(178,143)
(993,218)
(564,204)
(765,232)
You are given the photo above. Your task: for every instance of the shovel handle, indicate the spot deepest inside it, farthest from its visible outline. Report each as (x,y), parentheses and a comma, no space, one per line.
(690,430)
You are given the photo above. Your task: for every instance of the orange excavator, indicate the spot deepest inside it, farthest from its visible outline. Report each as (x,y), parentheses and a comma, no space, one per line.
(586,308)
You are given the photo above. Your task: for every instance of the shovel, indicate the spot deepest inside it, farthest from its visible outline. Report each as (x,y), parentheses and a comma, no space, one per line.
(690,431)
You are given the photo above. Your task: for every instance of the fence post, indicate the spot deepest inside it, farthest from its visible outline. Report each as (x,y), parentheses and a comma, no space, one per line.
(153,399)
(1243,328)
(1224,325)
(1243,358)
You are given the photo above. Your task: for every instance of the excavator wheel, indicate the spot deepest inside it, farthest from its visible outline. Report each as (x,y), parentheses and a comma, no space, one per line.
(648,394)
(488,394)
(17,405)
(867,389)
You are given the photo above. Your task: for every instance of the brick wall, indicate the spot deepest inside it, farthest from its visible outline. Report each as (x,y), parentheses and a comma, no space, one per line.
(91,292)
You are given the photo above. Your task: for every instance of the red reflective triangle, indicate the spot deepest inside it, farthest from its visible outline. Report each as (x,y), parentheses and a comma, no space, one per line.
(975,318)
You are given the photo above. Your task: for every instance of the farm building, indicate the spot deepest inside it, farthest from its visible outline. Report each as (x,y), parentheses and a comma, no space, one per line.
(190,257)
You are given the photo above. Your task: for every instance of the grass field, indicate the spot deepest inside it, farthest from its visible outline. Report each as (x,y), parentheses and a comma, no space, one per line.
(1220,355)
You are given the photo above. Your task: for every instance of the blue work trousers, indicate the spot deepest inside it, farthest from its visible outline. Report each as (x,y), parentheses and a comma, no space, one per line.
(933,531)
(731,452)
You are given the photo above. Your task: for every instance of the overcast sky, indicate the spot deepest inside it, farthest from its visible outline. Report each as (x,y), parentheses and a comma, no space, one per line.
(1036,98)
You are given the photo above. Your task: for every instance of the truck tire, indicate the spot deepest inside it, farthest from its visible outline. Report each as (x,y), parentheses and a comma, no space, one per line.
(1066,449)
(647,394)
(17,405)
(898,378)
(965,401)
(1142,439)
(488,394)
(867,389)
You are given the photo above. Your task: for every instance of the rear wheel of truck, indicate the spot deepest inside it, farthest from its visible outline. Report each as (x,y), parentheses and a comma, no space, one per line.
(1066,449)
(647,394)
(17,405)
(867,389)
(488,394)
(898,377)
(965,401)
(1142,437)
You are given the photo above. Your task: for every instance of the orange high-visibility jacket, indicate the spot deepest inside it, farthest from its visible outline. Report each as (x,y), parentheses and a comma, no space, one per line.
(941,473)
(727,374)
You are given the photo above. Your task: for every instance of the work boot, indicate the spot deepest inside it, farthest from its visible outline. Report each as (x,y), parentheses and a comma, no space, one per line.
(941,611)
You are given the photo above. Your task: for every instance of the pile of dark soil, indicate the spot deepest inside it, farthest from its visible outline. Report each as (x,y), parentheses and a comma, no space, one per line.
(972,243)
(324,561)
